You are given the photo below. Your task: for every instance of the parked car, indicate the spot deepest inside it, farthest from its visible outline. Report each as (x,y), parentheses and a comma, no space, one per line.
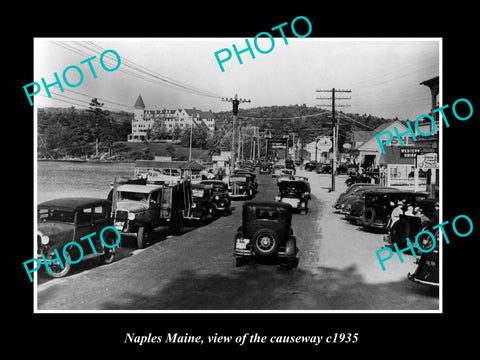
(427,272)
(220,199)
(355,193)
(241,186)
(265,168)
(284,177)
(277,169)
(366,177)
(202,209)
(353,205)
(284,171)
(307,183)
(379,206)
(138,209)
(250,174)
(310,165)
(294,193)
(290,165)
(349,190)
(323,169)
(359,194)
(66,220)
(266,233)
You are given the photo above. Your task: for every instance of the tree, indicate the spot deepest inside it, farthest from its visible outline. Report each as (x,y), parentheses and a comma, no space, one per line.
(103,124)
(158,131)
(177,132)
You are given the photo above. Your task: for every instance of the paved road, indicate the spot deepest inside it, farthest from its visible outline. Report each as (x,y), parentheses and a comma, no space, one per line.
(338,270)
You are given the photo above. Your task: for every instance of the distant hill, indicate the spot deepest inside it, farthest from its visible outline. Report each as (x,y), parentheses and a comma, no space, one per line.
(71,132)
(307,122)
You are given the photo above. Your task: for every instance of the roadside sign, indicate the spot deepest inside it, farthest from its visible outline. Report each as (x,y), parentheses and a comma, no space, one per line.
(324,144)
(427,161)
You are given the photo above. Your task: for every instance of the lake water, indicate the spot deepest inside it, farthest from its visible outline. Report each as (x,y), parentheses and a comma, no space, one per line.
(56,179)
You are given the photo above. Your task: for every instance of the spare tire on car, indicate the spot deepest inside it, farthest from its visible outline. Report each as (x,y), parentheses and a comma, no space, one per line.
(265,242)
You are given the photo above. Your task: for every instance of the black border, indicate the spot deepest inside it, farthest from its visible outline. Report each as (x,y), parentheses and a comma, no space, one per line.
(377,332)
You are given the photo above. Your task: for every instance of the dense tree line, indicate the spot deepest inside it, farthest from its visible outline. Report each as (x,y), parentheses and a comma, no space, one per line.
(71,132)
(93,132)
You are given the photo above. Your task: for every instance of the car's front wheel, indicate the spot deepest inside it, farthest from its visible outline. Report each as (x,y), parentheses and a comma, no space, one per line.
(56,271)
(109,252)
(265,242)
(368,216)
(141,237)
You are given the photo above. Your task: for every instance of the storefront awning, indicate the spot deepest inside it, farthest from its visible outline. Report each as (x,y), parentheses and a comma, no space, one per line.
(392,156)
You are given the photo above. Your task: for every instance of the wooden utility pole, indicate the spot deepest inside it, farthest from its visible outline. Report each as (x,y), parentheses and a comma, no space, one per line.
(235,102)
(334,127)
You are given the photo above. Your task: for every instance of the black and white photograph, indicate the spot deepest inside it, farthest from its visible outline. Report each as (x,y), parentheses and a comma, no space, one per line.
(261,182)
(215,193)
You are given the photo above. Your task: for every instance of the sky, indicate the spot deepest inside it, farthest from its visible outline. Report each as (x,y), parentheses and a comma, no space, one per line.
(383,74)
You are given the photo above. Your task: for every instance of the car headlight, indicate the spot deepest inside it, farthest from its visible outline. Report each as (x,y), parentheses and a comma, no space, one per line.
(131,216)
(45,239)
(278,198)
(217,197)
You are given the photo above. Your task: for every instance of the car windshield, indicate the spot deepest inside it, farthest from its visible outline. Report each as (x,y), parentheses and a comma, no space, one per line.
(56,215)
(239,178)
(197,193)
(292,189)
(134,196)
(219,187)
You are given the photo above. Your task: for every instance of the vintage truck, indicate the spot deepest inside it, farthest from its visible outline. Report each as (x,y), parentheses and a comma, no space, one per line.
(141,205)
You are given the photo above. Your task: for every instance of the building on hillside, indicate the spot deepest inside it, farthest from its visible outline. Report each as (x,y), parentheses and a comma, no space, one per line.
(188,116)
(144,120)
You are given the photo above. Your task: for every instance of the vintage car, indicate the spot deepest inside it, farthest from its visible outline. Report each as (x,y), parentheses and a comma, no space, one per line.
(357,192)
(307,183)
(294,193)
(203,208)
(221,200)
(266,234)
(66,220)
(379,206)
(276,169)
(349,190)
(372,177)
(139,209)
(357,198)
(282,171)
(265,168)
(241,186)
(249,173)
(410,225)
(427,272)
(289,164)
(310,166)
(249,167)
(323,168)
(284,177)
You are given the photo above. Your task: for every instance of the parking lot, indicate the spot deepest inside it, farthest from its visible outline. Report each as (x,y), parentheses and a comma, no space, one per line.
(338,269)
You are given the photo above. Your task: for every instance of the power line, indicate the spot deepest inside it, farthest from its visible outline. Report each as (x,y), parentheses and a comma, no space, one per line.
(283,118)
(161,77)
(139,71)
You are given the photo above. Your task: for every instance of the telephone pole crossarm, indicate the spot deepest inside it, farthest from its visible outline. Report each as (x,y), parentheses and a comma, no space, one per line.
(235,102)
